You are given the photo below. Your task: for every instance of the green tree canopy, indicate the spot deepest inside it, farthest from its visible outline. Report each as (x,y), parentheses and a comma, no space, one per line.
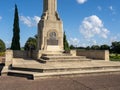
(95,47)
(31,44)
(16,30)
(104,47)
(88,48)
(72,47)
(115,47)
(2,46)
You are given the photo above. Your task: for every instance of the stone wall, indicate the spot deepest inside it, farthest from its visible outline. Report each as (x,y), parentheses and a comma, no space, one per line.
(20,54)
(10,54)
(94,54)
(35,54)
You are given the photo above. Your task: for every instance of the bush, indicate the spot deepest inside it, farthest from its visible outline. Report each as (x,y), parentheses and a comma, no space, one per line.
(2,54)
(31,44)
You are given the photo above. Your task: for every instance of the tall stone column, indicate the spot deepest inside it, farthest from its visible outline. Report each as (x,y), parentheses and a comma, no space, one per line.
(50,5)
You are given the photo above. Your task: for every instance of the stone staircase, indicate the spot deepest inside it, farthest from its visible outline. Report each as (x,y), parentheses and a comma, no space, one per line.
(61,65)
(48,58)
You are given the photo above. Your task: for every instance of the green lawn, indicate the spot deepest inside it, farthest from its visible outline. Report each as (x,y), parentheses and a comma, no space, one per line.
(114,57)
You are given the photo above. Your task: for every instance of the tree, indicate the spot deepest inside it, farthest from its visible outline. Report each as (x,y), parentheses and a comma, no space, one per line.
(95,47)
(82,48)
(66,45)
(36,36)
(88,48)
(104,47)
(2,46)
(16,30)
(115,47)
(72,47)
(31,44)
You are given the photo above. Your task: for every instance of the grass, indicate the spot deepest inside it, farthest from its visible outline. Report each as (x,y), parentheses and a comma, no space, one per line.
(115,57)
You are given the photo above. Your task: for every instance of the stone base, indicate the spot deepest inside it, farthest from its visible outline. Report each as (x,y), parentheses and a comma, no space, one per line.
(53,48)
(36,70)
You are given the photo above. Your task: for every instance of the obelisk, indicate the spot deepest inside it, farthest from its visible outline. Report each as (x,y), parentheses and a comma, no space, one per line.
(50,28)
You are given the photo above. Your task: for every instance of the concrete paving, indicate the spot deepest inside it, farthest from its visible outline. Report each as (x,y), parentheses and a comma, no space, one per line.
(99,82)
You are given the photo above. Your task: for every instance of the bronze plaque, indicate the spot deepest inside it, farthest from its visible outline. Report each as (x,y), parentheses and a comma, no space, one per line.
(52,42)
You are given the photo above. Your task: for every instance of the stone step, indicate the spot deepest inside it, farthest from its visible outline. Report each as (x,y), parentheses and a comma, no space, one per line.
(63,69)
(27,69)
(64,61)
(60,69)
(52,52)
(63,54)
(32,75)
(74,73)
(35,70)
(62,57)
(26,74)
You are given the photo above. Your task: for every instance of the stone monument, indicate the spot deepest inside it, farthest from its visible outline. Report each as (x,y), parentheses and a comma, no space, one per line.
(50,28)
(50,62)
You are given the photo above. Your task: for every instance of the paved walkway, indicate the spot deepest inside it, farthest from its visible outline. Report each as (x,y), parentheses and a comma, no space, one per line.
(102,82)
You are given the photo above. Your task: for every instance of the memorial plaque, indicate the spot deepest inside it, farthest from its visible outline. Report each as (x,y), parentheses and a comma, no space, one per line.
(52,39)
(52,42)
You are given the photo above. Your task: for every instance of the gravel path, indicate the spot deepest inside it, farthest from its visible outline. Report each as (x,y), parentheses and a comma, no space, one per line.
(102,82)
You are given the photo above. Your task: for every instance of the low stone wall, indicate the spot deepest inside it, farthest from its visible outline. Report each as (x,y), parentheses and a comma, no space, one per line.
(20,54)
(94,54)
(35,54)
(10,54)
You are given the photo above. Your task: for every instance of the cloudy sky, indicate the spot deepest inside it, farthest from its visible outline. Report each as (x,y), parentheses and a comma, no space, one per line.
(86,22)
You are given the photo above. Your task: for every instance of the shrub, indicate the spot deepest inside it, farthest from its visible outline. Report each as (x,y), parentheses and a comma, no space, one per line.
(2,54)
